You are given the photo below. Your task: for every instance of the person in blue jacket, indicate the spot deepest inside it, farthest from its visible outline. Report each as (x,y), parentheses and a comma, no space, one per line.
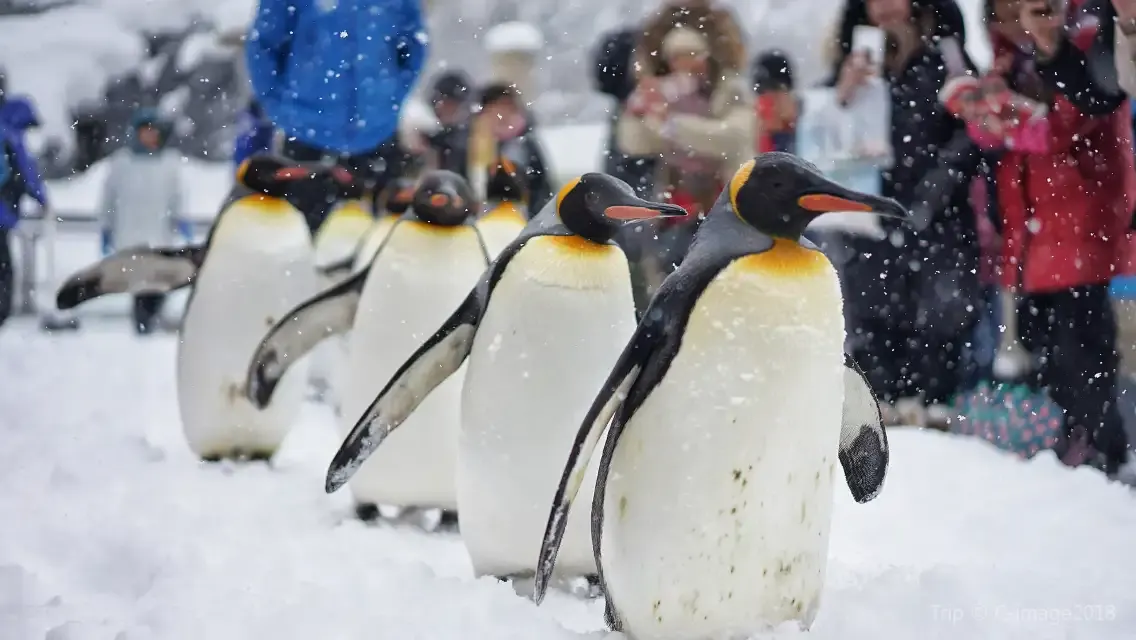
(254,133)
(333,76)
(19,177)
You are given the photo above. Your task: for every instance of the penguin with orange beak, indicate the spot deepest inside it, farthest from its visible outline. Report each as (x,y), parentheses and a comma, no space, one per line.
(729,409)
(537,335)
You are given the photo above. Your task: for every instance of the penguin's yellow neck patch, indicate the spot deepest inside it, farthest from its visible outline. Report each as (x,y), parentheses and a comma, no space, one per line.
(261,203)
(741,176)
(352,209)
(575,245)
(564,191)
(504,212)
(787,259)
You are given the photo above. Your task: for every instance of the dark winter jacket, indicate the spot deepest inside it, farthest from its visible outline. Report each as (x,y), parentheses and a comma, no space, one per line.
(450,147)
(1065,212)
(334,75)
(19,177)
(934,158)
(528,153)
(613,76)
(1084,67)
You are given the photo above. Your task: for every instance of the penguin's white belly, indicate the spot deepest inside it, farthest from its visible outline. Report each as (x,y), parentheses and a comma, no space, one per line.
(256,270)
(498,233)
(372,241)
(719,497)
(418,281)
(327,357)
(541,354)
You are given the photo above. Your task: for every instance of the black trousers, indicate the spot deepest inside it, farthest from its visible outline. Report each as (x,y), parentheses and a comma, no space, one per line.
(378,167)
(911,311)
(1074,333)
(147,307)
(7,277)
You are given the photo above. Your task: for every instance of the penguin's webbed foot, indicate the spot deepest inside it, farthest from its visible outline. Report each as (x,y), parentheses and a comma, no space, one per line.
(212,458)
(368,512)
(260,456)
(448,521)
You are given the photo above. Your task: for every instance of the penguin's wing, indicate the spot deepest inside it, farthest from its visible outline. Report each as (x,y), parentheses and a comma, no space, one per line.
(639,369)
(863,441)
(132,270)
(329,313)
(481,242)
(428,367)
(339,268)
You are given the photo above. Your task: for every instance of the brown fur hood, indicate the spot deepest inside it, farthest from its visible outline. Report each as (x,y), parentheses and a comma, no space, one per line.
(727,44)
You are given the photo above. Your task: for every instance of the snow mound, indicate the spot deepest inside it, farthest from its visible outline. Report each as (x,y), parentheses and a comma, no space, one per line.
(513,36)
(113,530)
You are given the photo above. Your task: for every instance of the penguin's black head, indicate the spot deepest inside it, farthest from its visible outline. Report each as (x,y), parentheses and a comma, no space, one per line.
(506,182)
(780,194)
(443,198)
(397,196)
(300,184)
(594,206)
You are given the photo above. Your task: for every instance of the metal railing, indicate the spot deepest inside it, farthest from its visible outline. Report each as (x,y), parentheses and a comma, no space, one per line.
(34,229)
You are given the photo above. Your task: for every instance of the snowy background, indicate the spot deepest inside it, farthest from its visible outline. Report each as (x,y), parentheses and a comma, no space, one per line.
(71,57)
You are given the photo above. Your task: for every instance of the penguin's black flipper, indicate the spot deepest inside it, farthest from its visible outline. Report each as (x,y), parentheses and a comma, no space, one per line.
(337,269)
(863,441)
(132,270)
(329,313)
(615,390)
(428,367)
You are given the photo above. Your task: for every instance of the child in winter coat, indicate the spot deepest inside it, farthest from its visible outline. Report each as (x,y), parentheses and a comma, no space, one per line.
(142,201)
(777,105)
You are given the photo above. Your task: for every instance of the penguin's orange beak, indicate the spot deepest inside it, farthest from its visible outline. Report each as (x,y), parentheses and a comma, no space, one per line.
(291,173)
(644,211)
(839,199)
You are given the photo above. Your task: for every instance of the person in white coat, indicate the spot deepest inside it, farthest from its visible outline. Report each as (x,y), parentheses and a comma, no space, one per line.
(142,201)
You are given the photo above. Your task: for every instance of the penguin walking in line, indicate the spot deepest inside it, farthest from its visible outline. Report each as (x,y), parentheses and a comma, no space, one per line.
(426,266)
(732,404)
(540,330)
(254,266)
(506,214)
(335,242)
(392,203)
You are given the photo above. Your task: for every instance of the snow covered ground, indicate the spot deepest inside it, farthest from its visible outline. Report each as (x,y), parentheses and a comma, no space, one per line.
(113,531)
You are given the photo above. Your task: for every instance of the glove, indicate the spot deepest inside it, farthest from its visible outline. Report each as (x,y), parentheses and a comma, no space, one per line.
(185,230)
(107,242)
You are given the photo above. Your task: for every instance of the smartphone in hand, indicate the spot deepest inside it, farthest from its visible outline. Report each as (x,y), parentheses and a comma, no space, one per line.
(871,41)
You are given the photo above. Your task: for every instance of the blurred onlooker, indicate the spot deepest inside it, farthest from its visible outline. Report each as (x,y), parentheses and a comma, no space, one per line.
(334,76)
(19,177)
(777,103)
(503,127)
(912,295)
(142,201)
(17,113)
(1126,44)
(1065,207)
(615,76)
(254,133)
(450,98)
(693,111)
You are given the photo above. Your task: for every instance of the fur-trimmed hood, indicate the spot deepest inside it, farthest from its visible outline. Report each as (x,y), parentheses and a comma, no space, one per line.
(717,24)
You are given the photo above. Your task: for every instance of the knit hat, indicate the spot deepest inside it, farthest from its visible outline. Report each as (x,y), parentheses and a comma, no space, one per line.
(452,85)
(772,71)
(684,40)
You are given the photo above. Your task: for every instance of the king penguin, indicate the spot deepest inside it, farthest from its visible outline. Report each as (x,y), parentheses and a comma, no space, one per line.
(394,201)
(732,404)
(540,331)
(505,213)
(336,243)
(255,264)
(426,266)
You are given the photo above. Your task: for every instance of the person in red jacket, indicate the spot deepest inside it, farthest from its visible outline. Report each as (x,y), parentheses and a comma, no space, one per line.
(1065,207)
